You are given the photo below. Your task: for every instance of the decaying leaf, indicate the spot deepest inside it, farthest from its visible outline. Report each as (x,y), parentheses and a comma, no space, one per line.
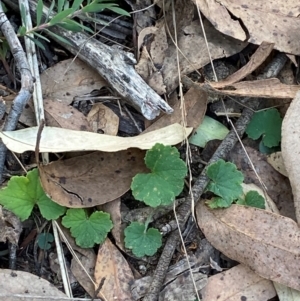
(266,242)
(113,270)
(59,114)
(275,21)
(266,88)
(55,140)
(276,160)
(290,147)
(92,179)
(255,61)
(68,79)
(238,283)
(278,186)
(104,119)
(20,283)
(195,104)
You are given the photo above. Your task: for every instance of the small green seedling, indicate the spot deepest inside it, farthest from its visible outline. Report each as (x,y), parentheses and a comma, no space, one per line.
(87,230)
(267,124)
(141,240)
(159,187)
(24,192)
(44,241)
(166,179)
(226,183)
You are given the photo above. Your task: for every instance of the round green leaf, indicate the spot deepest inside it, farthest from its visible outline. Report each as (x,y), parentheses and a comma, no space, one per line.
(87,230)
(44,240)
(166,180)
(140,241)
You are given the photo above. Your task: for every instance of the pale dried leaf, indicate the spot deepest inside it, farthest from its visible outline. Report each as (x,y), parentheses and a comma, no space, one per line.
(273,21)
(55,140)
(114,269)
(238,283)
(266,242)
(267,88)
(290,148)
(276,160)
(15,285)
(286,293)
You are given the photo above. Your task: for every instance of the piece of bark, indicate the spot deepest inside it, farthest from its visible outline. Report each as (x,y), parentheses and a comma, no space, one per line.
(113,64)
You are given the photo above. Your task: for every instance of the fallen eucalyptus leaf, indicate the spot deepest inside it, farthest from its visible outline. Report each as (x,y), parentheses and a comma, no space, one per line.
(264,241)
(56,140)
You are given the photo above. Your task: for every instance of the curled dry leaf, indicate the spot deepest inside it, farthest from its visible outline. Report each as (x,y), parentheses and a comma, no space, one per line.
(290,148)
(273,21)
(113,270)
(241,283)
(266,88)
(276,160)
(92,179)
(266,242)
(103,118)
(55,140)
(256,60)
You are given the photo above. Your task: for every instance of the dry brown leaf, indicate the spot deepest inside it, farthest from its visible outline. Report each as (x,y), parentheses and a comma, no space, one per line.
(27,117)
(278,186)
(59,114)
(57,84)
(195,103)
(17,285)
(290,148)
(276,161)
(256,60)
(114,209)
(92,179)
(259,88)
(147,62)
(191,48)
(266,242)
(103,118)
(273,21)
(192,44)
(238,283)
(114,269)
(10,227)
(55,140)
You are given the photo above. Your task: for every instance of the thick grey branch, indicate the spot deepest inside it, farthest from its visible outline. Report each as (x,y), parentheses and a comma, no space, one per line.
(113,64)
